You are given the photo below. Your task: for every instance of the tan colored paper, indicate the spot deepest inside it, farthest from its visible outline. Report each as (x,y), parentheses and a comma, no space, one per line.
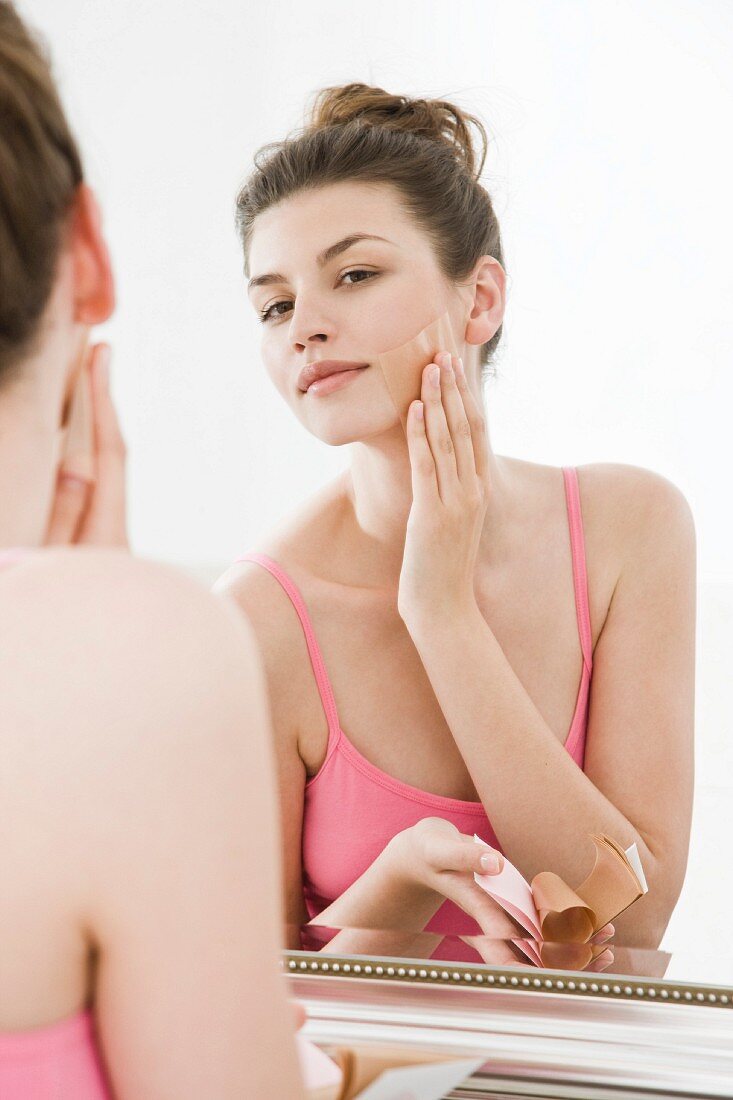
(612,885)
(569,956)
(561,921)
(77,453)
(402,367)
(361,1066)
(569,918)
(563,916)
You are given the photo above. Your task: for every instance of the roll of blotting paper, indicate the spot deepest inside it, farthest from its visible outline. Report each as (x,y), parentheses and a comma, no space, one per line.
(402,367)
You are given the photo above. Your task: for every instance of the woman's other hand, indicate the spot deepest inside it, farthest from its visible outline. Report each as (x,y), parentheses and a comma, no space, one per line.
(433,858)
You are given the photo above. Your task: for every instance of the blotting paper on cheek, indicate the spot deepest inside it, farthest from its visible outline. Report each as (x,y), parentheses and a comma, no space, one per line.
(402,367)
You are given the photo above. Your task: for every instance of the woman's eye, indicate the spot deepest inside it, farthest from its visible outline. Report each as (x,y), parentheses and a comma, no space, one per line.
(358,271)
(267,314)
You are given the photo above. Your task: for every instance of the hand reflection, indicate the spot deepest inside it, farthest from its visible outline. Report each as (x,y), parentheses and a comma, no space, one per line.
(433,859)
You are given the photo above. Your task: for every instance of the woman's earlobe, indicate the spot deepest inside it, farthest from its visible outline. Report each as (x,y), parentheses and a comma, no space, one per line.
(481,327)
(488,302)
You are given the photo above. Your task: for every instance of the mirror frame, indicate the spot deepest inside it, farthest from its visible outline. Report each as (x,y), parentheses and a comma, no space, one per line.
(592,1037)
(566,982)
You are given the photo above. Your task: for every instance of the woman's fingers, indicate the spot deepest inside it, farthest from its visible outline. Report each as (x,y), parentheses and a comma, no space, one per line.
(496,952)
(490,917)
(458,852)
(438,433)
(477,422)
(604,934)
(422,465)
(75,474)
(457,421)
(105,523)
(603,961)
(69,505)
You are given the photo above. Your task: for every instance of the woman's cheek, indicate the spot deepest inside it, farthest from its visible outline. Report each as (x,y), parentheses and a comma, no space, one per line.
(285,385)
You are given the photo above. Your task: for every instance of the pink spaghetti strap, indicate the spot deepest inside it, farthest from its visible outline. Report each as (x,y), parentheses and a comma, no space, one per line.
(580,576)
(13,554)
(324,686)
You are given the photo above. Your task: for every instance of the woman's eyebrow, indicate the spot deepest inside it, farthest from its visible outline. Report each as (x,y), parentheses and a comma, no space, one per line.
(322,259)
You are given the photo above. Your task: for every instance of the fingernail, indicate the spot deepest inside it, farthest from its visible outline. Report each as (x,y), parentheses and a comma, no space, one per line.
(459,367)
(445,358)
(434,375)
(490,863)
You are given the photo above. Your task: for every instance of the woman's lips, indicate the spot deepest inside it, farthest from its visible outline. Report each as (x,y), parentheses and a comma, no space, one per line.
(324,386)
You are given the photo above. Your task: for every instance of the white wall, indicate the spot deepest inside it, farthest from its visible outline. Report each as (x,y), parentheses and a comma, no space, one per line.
(609,167)
(610,173)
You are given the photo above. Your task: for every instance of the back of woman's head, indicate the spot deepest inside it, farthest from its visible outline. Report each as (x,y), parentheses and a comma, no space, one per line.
(40,170)
(422,147)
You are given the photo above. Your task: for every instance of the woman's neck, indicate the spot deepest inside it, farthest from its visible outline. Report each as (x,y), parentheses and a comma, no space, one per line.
(28,455)
(378,486)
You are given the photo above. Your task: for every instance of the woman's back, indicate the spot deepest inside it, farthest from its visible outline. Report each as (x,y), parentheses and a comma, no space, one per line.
(139,861)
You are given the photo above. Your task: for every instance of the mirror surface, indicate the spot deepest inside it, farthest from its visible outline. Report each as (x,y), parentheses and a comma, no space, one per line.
(616,346)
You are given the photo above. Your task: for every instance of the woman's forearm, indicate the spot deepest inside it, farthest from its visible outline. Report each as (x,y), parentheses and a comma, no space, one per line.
(381,899)
(381,913)
(541,804)
(362,941)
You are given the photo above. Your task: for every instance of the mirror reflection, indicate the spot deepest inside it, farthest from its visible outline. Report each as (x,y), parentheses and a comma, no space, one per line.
(436,697)
(477,663)
(486,951)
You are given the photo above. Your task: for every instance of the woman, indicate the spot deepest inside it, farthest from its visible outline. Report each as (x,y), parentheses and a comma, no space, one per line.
(139,919)
(463,601)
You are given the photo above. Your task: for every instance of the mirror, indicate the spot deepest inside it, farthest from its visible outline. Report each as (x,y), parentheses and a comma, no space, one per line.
(614,359)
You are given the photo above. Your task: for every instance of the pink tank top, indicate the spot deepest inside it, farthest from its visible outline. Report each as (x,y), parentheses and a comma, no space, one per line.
(59,1061)
(352,808)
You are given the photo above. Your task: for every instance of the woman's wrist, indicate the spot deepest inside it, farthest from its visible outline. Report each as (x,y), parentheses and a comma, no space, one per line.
(399,864)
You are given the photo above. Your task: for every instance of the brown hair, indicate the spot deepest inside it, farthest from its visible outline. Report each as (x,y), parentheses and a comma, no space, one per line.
(423,147)
(40,169)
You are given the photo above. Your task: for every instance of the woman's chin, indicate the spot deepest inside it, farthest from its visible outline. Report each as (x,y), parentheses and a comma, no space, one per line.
(359,428)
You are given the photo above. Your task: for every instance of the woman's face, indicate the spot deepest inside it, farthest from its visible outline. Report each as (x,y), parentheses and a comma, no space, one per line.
(351,305)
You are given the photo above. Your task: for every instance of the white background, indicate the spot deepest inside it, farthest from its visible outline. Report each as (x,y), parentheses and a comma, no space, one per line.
(609,167)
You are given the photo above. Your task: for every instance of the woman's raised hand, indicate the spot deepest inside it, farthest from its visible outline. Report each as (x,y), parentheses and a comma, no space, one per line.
(93,513)
(448,448)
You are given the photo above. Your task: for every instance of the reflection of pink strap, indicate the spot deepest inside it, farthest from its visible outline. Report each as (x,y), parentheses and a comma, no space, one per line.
(580,576)
(324,687)
(13,555)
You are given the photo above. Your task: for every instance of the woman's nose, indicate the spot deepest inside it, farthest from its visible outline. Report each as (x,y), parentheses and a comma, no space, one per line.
(309,325)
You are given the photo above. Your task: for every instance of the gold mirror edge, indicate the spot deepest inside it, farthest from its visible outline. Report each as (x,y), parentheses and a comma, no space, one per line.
(463,975)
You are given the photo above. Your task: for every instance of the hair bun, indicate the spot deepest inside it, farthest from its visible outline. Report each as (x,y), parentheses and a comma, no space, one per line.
(436,119)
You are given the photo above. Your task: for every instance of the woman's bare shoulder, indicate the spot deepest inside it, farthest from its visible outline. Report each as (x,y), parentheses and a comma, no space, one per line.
(628,515)
(103,594)
(84,631)
(293,546)
(614,496)
(625,503)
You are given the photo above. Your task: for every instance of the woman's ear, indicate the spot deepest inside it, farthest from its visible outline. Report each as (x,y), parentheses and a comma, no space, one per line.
(94,290)
(487,313)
